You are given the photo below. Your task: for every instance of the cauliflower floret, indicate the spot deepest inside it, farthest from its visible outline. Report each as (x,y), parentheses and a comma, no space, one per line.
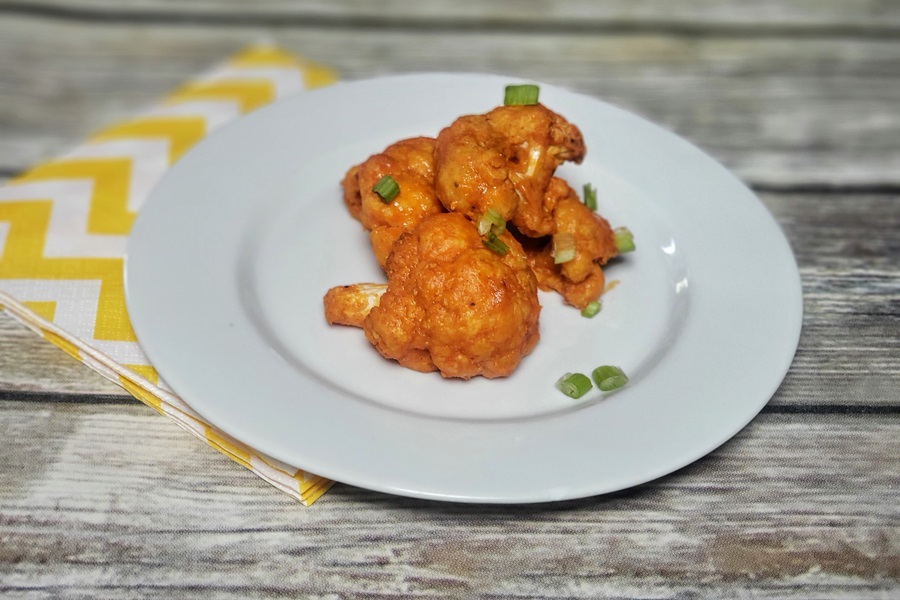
(579,280)
(505,160)
(351,304)
(451,304)
(411,163)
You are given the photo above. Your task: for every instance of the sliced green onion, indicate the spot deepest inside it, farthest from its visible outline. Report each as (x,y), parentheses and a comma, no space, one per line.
(623,239)
(491,221)
(563,247)
(386,188)
(591,309)
(590,197)
(573,385)
(609,378)
(496,244)
(521,95)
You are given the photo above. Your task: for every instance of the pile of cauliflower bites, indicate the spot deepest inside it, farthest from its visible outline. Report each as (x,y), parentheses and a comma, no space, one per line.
(467,227)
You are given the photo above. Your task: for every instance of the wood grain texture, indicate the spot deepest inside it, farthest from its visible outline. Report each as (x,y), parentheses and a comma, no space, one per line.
(777,110)
(846,247)
(762,515)
(826,16)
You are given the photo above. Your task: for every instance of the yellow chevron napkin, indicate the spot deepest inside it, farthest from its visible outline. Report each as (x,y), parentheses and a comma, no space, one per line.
(63,226)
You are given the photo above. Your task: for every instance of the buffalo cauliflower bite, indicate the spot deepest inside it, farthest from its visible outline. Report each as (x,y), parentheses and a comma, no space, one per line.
(579,280)
(450,304)
(411,163)
(505,160)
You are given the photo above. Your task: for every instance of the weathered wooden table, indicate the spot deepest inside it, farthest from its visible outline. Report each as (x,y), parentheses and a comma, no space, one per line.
(801,99)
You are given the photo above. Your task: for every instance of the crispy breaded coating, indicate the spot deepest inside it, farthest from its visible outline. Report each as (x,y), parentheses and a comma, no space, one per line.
(580,280)
(550,278)
(472,168)
(411,163)
(594,239)
(352,195)
(452,304)
(505,160)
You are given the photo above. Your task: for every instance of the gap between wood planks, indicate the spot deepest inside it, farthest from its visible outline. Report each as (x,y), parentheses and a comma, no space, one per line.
(452,23)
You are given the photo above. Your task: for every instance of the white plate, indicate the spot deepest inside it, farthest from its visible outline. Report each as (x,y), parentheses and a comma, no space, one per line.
(228,261)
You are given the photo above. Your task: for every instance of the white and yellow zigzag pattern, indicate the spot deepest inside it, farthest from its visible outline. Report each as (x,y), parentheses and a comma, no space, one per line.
(64,223)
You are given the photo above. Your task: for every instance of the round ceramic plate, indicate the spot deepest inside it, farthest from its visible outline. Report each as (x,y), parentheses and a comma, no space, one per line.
(230,257)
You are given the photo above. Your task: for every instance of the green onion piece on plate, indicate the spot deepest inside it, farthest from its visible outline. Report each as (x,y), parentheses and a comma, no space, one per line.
(494,243)
(591,309)
(563,247)
(491,221)
(517,95)
(623,239)
(386,188)
(609,378)
(590,197)
(574,385)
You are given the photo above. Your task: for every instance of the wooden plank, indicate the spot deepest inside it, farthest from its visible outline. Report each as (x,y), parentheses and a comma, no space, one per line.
(795,506)
(849,353)
(779,111)
(840,231)
(734,15)
(847,248)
